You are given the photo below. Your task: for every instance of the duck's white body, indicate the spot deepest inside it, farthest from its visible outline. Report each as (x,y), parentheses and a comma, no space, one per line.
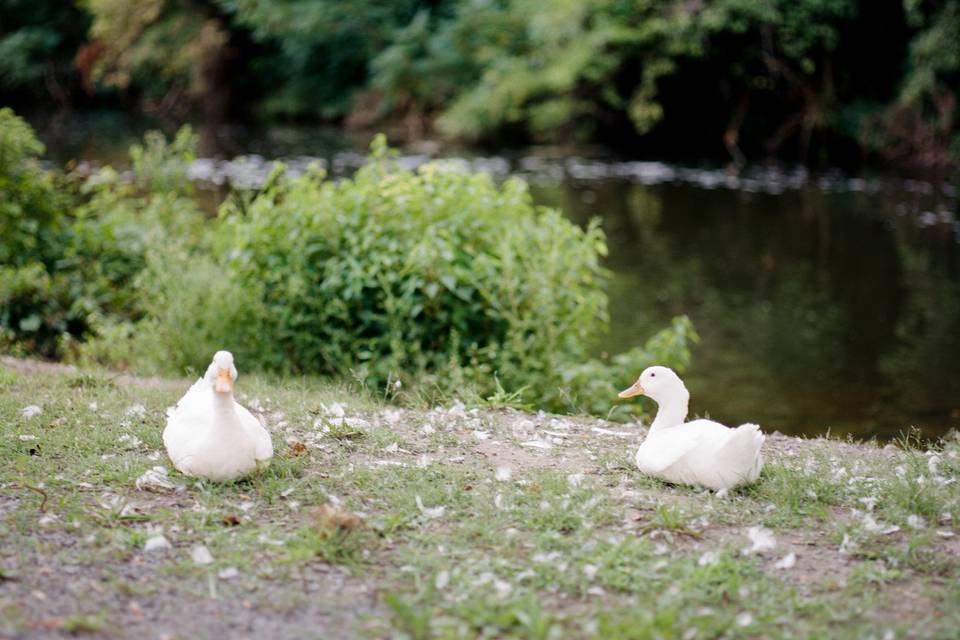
(210,435)
(701,452)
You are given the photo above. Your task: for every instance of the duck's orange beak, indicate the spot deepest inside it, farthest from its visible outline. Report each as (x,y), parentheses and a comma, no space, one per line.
(634,390)
(224,382)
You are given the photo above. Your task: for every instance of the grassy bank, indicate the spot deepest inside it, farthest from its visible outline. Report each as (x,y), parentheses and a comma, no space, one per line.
(472,523)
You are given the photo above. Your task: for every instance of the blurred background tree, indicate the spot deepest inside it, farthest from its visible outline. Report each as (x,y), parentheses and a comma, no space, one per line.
(810,80)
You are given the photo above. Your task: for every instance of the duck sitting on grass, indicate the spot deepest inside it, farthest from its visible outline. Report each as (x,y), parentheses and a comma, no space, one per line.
(701,452)
(209,435)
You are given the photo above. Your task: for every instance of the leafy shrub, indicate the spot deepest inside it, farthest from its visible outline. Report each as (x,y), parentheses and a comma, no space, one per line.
(36,305)
(69,255)
(394,273)
(191,308)
(592,386)
(436,277)
(32,221)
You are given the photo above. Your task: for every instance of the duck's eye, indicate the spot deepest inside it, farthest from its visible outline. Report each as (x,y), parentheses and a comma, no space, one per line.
(653,375)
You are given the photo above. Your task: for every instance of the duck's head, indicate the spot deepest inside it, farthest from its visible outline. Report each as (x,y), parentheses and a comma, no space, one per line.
(658,383)
(221,372)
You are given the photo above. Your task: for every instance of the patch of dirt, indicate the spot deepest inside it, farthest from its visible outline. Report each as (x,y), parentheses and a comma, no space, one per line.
(138,599)
(28,367)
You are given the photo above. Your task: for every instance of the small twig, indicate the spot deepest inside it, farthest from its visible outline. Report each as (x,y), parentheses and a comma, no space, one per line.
(43,503)
(650,527)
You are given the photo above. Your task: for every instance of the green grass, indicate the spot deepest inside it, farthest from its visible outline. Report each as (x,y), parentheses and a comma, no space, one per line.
(575,543)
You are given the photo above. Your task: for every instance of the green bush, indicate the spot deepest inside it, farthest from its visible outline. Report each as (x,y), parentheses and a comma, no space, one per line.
(439,278)
(394,273)
(191,308)
(36,305)
(33,204)
(70,250)
(592,386)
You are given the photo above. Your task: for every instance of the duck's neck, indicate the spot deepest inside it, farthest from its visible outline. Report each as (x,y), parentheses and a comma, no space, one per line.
(672,411)
(223,405)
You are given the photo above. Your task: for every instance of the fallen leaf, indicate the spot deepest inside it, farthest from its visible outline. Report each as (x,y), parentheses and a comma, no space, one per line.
(231,520)
(298,449)
(135,610)
(53,624)
(330,517)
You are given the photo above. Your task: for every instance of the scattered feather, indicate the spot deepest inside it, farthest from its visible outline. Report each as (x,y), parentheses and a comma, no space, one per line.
(537,444)
(155,479)
(135,411)
(787,561)
(201,555)
(430,512)
(608,432)
(761,539)
(30,411)
(847,545)
(157,543)
(442,580)
(503,473)
(228,573)
(131,440)
(335,410)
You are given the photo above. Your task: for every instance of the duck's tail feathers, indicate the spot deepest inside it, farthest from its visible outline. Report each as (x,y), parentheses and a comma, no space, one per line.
(744,450)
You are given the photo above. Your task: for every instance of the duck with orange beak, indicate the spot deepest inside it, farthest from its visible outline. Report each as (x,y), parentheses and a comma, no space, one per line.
(700,452)
(209,434)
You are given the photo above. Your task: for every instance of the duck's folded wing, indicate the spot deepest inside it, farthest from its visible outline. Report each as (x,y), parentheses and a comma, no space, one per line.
(189,398)
(256,430)
(662,451)
(184,419)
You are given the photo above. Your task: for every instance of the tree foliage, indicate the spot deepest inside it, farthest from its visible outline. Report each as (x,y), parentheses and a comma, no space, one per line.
(798,78)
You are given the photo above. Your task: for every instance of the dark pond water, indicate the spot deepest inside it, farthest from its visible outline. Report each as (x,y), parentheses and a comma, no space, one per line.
(824,302)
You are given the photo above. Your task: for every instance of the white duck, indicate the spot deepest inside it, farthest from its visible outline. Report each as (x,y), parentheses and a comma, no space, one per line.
(209,435)
(701,452)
